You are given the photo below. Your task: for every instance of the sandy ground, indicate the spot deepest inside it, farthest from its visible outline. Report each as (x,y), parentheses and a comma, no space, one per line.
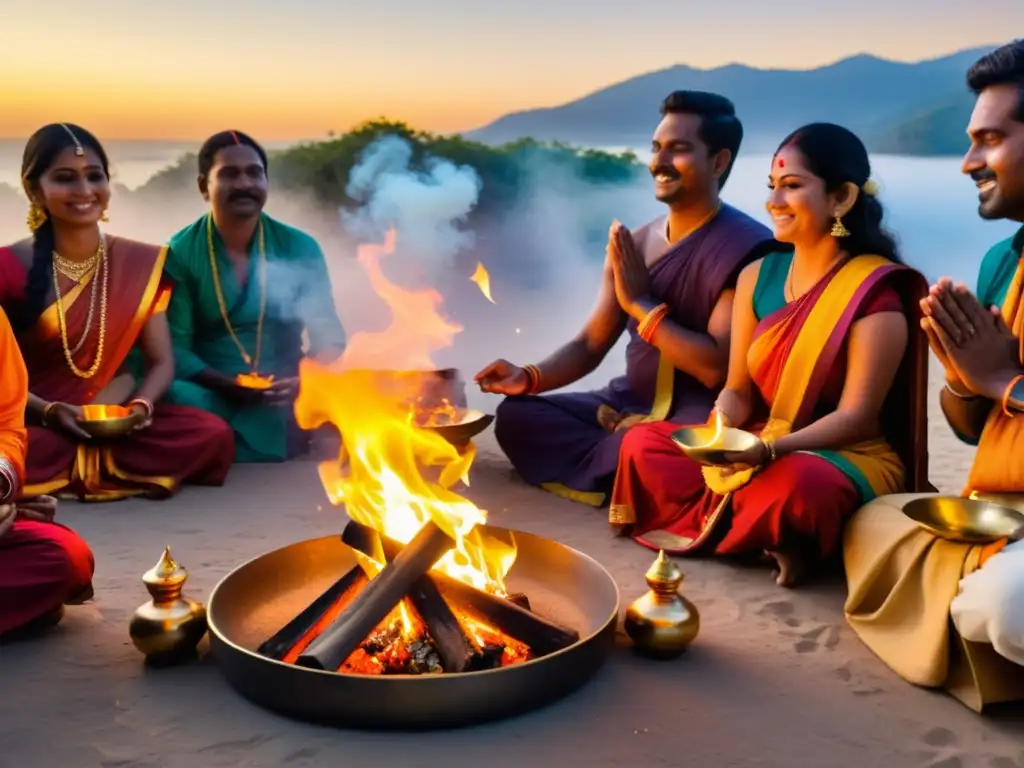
(775,677)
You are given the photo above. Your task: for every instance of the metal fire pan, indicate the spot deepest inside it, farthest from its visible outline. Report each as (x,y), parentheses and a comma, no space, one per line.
(259,597)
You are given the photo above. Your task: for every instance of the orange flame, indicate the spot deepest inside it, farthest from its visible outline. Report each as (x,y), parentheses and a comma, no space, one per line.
(391,474)
(483,280)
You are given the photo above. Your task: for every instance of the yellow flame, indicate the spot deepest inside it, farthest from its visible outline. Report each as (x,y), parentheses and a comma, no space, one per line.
(483,280)
(391,474)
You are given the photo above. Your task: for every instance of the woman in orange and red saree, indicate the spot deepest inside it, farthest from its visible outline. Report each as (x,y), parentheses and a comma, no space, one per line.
(827,365)
(80,303)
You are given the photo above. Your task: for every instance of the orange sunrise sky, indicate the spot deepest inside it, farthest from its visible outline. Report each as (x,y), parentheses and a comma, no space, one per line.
(294,69)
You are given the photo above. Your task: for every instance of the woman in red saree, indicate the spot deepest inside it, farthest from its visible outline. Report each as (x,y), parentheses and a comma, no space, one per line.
(827,365)
(79,303)
(43,565)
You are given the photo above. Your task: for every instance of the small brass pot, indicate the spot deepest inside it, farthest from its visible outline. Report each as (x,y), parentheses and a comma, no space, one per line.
(169,627)
(662,623)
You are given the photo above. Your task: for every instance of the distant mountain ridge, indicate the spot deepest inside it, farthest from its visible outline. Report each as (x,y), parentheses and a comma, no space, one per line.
(887,103)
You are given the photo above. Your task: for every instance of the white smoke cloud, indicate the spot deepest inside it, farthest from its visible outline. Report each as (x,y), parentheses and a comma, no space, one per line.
(426,207)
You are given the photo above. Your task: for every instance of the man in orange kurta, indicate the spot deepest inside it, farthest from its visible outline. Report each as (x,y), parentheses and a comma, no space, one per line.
(43,565)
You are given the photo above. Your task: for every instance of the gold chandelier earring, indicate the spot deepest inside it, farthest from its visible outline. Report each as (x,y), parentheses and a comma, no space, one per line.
(36,217)
(838,229)
(103,216)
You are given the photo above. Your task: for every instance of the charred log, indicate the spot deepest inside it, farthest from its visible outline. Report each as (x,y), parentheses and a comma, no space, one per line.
(301,630)
(330,650)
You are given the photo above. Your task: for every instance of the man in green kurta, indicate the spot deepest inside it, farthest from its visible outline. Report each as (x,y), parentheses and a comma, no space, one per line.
(246,288)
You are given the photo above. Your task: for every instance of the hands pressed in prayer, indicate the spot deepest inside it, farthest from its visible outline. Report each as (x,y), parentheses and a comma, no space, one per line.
(934,295)
(977,346)
(63,417)
(503,378)
(632,278)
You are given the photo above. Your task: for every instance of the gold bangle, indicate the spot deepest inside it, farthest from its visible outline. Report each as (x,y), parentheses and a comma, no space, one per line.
(646,327)
(770,447)
(46,412)
(146,405)
(958,395)
(1009,391)
(533,373)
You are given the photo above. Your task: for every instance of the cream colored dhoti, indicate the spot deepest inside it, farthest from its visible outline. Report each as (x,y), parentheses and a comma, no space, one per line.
(902,582)
(990,606)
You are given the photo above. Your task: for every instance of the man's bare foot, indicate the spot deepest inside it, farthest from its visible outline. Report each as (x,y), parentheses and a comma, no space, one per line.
(790,568)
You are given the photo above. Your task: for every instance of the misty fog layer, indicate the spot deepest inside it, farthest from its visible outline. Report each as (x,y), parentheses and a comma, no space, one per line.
(545,254)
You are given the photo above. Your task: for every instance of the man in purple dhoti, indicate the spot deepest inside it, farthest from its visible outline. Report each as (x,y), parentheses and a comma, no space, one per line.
(670,285)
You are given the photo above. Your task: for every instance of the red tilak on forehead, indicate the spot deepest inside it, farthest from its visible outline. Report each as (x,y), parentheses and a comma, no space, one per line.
(780,162)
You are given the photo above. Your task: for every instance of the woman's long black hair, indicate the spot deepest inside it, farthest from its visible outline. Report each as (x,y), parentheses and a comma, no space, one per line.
(42,149)
(836,156)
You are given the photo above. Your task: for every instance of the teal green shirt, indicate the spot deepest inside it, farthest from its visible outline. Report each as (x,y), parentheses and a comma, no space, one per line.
(299,299)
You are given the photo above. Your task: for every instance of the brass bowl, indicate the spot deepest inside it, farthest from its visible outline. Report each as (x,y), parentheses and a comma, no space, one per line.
(471,424)
(106,420)
(254,381)
(971,521)
(696,442)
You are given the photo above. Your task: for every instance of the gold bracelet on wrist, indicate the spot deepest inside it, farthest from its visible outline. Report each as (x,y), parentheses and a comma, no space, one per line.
(959,395)
(533,374)
(46,413)
(770,447)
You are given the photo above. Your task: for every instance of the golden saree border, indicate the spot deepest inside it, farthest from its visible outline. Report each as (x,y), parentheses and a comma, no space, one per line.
(812,337)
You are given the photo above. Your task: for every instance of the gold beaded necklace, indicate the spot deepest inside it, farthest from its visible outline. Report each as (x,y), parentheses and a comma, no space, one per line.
(253,361)
(74,270)
(101,266)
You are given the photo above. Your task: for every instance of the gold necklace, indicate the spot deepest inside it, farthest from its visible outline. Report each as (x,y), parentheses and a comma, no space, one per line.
(75,270)
(253,362)
(700,224)
(103,266)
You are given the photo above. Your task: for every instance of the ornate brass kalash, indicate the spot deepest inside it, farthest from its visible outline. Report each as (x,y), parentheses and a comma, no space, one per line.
(361,630)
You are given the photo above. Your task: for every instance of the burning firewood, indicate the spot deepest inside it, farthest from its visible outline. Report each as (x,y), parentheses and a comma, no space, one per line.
(298,633)
(540,635)
(330,650)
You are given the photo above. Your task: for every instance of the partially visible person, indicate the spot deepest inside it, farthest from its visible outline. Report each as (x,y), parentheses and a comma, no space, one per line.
(904,582)
(80,302)
(828,367)
(43,565)
(670,285)
(246,288)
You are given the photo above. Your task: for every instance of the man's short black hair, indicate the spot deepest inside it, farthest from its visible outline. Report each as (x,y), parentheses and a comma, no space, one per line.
(224,139)
(1003,66)
(719,127)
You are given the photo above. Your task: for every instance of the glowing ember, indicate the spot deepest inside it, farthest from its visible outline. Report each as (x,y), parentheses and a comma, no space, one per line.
(391,474)
(483,280)
(254,381)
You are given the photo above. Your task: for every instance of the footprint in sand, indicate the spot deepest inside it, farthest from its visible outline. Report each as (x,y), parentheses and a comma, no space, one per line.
(825,636)
(858,684)
(944,741)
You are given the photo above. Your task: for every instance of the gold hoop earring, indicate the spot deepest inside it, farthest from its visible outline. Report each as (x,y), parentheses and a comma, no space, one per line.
(838,229)
(36,217)
(104,217)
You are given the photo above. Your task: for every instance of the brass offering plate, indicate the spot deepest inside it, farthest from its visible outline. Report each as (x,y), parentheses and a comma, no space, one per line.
(470,423)
(971,521)
(707,445)
(254,381)
(106,420)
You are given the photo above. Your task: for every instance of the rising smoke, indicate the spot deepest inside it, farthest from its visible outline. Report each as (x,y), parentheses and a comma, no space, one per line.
(544,255)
